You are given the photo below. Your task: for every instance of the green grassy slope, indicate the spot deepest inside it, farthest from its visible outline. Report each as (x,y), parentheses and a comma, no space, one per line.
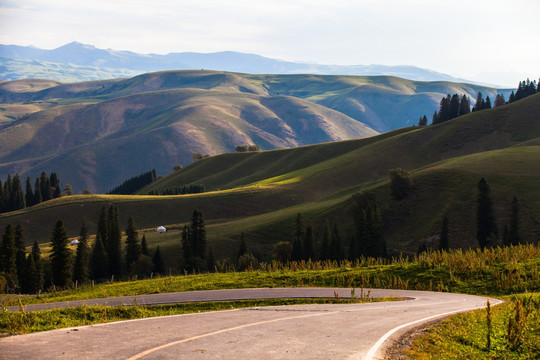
(268,189)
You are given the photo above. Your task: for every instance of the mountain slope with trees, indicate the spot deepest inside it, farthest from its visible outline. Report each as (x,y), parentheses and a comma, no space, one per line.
(97,134)
(260,194)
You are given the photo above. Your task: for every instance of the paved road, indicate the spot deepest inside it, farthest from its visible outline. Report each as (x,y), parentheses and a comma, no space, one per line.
(342,331)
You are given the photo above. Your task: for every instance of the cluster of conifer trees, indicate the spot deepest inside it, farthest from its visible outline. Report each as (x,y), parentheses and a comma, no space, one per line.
(131,185)
(19,270)
(525,88)
(453,106)
(180,190)
(12,196)
(194,252)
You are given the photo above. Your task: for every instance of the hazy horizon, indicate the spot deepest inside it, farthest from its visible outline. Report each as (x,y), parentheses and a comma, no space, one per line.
(478,41)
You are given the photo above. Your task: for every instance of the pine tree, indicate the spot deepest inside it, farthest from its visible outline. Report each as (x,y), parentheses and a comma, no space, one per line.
(369,227)
(454,106)
(423,121)
(98,262)
(81,271)
(38,277)
(37,192)
(157,260)
(487,103)
(103,227)
(144,246)
(20,257)
(186,248)
(29,196)
(17,200)
(309,254)
(114,242)
(513,232)
(486,228)
(55,186)
(60,256)
(210,261)
(198,235)
(28,275)
(479,105)
(45,187)
(499,100)
(133,249)
(464,105)
(444,242)
(512,97)
(8,253)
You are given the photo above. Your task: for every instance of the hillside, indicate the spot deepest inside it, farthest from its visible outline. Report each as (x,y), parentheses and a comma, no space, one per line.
(84,129)
(261,193)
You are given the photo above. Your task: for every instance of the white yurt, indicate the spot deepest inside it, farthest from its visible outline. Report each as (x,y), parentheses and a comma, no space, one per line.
(161,229)
(74,242)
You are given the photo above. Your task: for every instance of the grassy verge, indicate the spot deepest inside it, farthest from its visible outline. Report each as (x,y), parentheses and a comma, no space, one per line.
(28,322)
(495,272)
(514,333)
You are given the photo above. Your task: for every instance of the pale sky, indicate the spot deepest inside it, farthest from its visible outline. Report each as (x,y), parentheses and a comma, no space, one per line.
(460,38)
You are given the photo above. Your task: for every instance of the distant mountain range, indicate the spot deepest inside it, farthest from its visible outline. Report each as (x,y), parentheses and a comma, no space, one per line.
(97,134)
(79,62)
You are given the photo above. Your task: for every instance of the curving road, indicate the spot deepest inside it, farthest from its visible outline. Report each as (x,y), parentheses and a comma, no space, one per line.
(341,331)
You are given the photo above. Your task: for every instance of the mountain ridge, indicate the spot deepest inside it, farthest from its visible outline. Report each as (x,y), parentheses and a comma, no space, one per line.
(126,63)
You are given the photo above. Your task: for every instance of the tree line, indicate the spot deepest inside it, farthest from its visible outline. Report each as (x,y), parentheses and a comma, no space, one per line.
(453,106)
(13,197)
(131,185)
(180,190)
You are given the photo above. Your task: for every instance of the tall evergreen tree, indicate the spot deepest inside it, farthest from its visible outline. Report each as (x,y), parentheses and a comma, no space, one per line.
(29,195)
(28,276)
(37,192)
(444,242)
(17,200)
(39,276)
(513,232)
(99,267)
(8,253)
(157,260)
(198,235)
(464,105)
(423,121)
(187,253)
(144,246)
(114,242)
(369,226)
(133,249)
(479,105)
(45,187)
(81,270)
(298,248)
(60,256)
(103,227)
(487,103)
(454,106)
(499,100)
(20,257)
(486,227)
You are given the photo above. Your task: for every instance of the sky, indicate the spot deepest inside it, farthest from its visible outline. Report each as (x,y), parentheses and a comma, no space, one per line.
(494,41)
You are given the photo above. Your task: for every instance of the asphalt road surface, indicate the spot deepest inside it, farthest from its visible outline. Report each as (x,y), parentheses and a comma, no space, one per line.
(339,331)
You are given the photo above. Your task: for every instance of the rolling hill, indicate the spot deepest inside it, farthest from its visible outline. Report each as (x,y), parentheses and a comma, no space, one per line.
(261,193)
(96,134)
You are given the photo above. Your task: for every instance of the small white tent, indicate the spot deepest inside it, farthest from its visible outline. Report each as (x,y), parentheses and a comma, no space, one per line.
(74,242)
(161,229)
